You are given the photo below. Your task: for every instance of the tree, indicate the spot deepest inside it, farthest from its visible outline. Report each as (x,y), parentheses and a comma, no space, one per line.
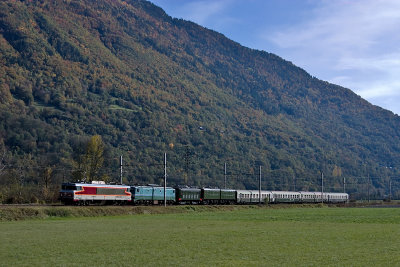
(337,171)
(46,178)
(79,146)
(2,157)
(94,157)
(88,165)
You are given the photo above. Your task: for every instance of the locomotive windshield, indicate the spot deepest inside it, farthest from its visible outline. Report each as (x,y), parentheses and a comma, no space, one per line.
(68,187)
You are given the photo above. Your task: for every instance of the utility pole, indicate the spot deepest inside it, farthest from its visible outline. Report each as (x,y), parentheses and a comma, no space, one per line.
(390,189)
(225,175)
(120,166)
(165,179)
(259,188)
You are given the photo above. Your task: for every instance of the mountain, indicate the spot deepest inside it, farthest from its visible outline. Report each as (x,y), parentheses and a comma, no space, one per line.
(149,84)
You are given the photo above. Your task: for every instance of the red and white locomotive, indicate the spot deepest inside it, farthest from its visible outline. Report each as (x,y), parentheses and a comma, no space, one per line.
(96,192)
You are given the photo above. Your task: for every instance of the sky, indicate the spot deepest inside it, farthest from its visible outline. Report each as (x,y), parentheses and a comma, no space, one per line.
(352,43)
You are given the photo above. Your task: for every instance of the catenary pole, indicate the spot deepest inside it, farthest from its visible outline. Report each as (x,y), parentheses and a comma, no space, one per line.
(368,187)
(259,188)
(322,186)
(165,179)
(344,184)
(294,182)
(225,175)
(120,167)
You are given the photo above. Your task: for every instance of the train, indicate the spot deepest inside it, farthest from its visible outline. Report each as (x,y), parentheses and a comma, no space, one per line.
(101,193)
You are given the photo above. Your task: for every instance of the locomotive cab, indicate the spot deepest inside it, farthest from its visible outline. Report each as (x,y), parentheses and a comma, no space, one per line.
(67,192)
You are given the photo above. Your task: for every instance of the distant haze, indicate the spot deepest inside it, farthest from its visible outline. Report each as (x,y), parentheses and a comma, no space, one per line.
(350,43)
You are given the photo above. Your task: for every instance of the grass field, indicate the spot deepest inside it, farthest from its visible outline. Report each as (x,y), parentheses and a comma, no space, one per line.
(246,237)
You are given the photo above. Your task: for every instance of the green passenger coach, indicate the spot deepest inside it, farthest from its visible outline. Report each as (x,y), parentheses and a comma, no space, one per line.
(188,195)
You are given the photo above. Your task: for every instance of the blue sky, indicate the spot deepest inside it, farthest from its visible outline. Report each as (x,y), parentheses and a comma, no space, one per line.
(352,43)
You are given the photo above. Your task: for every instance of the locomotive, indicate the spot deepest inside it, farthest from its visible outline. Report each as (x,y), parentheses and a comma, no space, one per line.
(97,192)
(101,193)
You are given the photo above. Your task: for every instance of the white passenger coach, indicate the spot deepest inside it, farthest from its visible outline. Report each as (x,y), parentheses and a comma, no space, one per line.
(253,196)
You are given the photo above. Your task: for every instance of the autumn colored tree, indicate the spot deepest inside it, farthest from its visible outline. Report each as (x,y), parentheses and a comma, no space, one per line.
(89,163)
(337,171)
(94,158)
(47,176)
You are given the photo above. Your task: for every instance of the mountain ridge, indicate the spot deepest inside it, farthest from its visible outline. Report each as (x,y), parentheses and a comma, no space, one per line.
(143,80)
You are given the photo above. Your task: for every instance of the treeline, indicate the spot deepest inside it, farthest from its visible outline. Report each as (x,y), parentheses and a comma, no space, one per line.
(25,181)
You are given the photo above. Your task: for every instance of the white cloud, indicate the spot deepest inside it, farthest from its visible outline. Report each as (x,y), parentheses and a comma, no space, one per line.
(352,43)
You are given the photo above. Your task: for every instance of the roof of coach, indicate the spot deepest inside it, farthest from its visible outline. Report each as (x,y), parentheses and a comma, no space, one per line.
(319,193)
(286,192)
(242,191)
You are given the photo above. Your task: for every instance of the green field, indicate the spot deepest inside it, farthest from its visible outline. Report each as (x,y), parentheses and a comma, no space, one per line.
(245,237)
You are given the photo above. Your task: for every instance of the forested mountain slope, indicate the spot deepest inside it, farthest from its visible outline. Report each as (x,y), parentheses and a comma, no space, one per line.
(149,84)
